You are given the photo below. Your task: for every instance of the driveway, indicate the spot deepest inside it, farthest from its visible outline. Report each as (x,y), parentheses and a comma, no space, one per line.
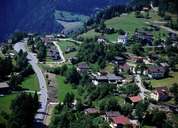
(42,82)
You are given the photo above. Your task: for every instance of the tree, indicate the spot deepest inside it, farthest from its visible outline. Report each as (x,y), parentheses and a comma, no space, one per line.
(23,111)
(158,118)
(110,104)
(126,109)
(69,99)
(3,122)
(72,76)
(6,67)
(141,107)
(137,49)
(174,90)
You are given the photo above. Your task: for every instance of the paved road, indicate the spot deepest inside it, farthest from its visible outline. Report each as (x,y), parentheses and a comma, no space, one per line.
(42,82)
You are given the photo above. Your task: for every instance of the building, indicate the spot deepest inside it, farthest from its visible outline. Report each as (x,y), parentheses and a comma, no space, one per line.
(70,49)
(83,67)
(119,60)
(160,94)
(106,78)
(109,115)
(4,88)
(134,99)
(156,72)
(146,38)
(119,121)
(122,39)
(91,111)
(101,40)
(124,68)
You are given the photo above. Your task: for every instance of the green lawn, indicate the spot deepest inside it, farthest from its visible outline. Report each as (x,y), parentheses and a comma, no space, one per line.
(30,83)
(128,23)
(65,44)
(90,34)
(167,81)
(63,88)
(109,68)
(5,102)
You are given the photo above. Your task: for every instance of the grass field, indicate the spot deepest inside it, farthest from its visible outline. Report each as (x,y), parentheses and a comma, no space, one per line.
(30,83)
(167,81)
(64,88)
(128,23)
(5,102)
(65,44)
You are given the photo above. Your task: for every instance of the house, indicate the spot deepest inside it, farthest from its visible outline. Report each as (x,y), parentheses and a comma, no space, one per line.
(122,39)
(73,60)
(124,68)
(83,67)
(119,60)
(111,114)
(4,88)
(137,59)
(70,49)
(119,121)
(156,72)
(134,99)
(101,40)
(91,111)
(106,78)
(160,94)
(143,37)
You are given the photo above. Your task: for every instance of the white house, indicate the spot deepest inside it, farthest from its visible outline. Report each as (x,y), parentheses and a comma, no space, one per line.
(122,39)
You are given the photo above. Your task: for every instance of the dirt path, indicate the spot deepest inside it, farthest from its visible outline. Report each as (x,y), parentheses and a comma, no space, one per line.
(50,108)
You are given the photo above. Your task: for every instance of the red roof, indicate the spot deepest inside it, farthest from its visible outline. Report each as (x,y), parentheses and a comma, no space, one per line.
(120,120)
(135,99)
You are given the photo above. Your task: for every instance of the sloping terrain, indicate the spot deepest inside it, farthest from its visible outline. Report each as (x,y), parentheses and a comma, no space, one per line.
(38,15)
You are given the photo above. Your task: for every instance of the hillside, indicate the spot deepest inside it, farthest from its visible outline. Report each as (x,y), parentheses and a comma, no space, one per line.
(38,15)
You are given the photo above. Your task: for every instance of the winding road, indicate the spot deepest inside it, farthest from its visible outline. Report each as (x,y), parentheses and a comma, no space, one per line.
(39,117)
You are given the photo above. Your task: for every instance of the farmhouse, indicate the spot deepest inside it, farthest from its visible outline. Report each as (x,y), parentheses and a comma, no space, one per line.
(119,121)
(119,60)
(109,115)
(156,72)
(91,111)
(160,94)
(83,67)
(122,39)
(4,88)
(108,78)
(134,99)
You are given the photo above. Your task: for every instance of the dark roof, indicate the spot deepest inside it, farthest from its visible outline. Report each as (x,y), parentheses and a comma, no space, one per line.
(156,69)
(124,66)
(108,77)
(83,65)
(112,114)
(91,110)
(119,58)
(113,77)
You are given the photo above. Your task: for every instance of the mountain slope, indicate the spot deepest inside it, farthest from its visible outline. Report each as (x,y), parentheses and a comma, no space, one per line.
(38,15)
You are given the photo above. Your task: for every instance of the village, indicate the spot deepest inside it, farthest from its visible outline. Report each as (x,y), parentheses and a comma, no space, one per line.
(125,81)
